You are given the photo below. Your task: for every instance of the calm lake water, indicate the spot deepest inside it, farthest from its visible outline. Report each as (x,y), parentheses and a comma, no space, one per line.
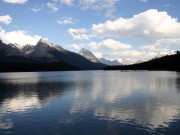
(90,103)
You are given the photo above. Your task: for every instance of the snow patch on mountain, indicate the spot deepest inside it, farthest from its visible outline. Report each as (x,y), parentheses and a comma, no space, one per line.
(88,55)
(17,46)
(27,49)
(109,62)
(43,42)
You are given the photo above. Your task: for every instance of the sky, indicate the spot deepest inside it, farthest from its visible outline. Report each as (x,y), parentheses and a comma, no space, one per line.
(134,30)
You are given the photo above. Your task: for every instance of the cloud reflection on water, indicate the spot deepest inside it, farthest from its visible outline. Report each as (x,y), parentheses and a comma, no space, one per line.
(148,98)
(21,96)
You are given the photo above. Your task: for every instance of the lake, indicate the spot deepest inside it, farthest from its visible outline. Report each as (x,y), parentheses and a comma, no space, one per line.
(90,103)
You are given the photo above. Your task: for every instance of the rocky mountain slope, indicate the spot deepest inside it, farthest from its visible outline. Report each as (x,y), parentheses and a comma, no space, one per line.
(89,55)
(45,52)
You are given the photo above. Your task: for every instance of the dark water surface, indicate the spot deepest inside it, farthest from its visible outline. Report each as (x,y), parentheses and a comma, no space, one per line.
(90,103)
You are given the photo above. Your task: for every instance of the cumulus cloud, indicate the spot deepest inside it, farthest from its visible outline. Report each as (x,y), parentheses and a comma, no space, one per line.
(20,37)
(52,6)
(98,54)
(151,25)
(78,34)
(109,44)
(169,41)
(132,54)
(162,46)
(159,31)
(15,1)
(128,56)
(75,46)
(66,21)
(154,48)
(6,19)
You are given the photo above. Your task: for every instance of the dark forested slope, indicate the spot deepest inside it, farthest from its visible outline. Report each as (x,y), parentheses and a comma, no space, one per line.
(169,62)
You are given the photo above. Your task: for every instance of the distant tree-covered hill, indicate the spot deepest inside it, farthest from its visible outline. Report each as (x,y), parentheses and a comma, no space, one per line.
(29,67)
(169,62)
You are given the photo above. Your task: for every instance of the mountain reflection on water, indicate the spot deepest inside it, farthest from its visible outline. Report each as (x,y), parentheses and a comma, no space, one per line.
(96,102)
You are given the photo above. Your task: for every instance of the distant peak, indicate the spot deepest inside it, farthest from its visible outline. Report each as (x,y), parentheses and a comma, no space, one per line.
(43,41)
(84,50)
(88,54)
(52,45)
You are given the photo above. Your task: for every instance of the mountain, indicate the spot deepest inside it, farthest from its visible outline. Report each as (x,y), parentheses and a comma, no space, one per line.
(169,62)
(44,49)
(9,50)
(90,56)
(126,61)
(109,62)
(9,54)
(44,52)
(27,49)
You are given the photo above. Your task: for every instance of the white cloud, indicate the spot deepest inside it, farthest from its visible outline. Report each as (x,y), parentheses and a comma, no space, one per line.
(159,30)
(162,46)
(20,37)
(98,54)
(67,2)
(143,0)
(109,6)
(150,25)
(75,46)
(170,41)
(130,56)
(78,34)
(137,55)
(154,48)
(52,6)
(6,19)
(15,1)
(37,9)
(66,20)
(109,44)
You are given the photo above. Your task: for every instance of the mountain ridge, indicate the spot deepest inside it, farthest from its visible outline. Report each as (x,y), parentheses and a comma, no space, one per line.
(89,55)
(45,52)
(168,62)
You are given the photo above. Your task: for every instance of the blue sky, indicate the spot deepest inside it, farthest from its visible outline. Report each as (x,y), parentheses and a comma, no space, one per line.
(114,29)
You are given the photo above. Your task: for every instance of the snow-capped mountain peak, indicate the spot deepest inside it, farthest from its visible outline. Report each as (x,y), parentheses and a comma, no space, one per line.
(16,46)
(109,62)
(88,55)
(44,43)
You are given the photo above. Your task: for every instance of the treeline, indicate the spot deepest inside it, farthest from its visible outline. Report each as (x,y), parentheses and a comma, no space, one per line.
(28,67)
(169,62)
